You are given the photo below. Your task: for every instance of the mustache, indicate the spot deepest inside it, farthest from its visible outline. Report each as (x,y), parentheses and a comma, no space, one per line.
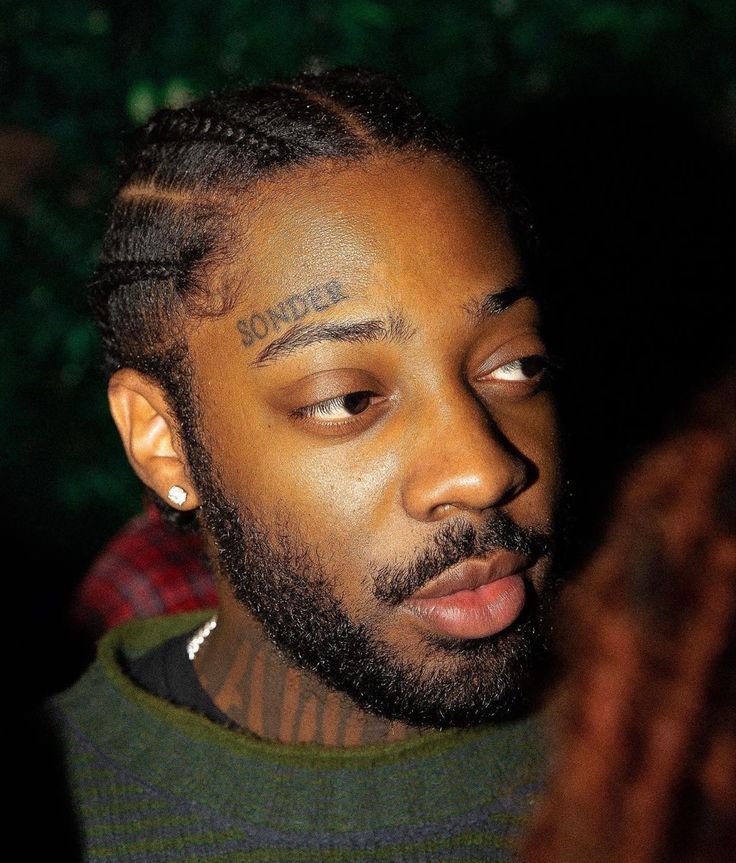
(454,543)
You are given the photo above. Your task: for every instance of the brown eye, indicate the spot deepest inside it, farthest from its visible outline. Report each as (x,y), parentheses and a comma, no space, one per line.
(356,403)
(523,370)
(339,408)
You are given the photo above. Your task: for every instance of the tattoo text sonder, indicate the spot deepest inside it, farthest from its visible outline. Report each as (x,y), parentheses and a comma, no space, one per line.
(288,311)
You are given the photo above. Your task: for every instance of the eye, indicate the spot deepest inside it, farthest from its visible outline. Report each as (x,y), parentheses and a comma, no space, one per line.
(340,409)
(522,369)
(534,369)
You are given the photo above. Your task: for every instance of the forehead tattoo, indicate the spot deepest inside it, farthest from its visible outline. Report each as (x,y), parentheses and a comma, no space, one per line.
(395,328)
(290,310)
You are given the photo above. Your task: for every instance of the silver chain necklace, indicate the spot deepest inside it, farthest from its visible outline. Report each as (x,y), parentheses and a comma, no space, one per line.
(198,639)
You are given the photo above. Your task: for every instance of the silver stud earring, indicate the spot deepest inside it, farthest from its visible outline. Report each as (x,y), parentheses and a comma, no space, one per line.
(177,495)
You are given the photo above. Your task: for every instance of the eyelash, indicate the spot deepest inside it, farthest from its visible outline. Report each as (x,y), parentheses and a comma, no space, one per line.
(549,367)
(324,407)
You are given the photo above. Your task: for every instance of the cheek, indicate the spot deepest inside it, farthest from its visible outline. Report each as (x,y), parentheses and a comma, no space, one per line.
(549,463)
(331,493)
(534,433)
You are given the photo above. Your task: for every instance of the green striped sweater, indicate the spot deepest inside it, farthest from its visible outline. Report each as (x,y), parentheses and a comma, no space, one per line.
(151,781)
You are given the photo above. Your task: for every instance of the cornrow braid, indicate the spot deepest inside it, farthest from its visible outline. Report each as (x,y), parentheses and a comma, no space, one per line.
(179,173)
(173,126)
(125,272)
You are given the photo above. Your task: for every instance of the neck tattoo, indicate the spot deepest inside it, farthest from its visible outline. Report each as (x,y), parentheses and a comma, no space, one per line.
(263,693)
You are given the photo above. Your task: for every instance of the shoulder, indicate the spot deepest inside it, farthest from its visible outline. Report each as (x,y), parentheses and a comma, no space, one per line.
(106,683)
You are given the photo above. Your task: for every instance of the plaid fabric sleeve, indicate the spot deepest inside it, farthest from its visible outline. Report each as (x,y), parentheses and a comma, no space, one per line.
(147,569)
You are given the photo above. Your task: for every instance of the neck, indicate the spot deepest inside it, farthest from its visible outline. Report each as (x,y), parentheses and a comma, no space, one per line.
(258,688)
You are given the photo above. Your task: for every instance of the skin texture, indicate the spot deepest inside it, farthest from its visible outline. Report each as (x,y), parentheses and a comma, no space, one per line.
(450,433)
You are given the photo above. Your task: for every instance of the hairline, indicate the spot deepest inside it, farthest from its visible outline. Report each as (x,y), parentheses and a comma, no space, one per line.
(240,206)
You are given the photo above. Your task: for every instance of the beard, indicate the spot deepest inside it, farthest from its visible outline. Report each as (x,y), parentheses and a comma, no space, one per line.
(280,577)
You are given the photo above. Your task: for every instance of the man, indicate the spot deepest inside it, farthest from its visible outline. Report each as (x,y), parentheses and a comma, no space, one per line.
(325,348)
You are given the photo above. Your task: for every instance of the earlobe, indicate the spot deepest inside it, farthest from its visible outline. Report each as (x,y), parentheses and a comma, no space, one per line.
(149,433)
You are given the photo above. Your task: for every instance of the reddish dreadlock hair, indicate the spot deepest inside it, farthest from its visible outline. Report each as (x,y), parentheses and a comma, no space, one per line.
(646,770)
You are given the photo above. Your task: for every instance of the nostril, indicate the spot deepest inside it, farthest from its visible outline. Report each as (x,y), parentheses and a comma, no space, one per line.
(527,475)
(465,463)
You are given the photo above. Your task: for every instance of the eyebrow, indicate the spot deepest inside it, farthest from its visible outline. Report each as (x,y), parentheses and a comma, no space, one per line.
(495,303)
(395,328)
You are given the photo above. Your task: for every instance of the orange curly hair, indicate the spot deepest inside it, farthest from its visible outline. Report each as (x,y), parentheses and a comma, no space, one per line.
(646,765)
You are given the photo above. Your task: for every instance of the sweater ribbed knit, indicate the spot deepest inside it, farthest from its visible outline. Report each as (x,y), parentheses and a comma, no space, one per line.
(151,781)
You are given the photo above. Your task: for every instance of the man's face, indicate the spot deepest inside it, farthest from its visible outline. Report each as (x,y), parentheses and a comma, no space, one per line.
(369,417)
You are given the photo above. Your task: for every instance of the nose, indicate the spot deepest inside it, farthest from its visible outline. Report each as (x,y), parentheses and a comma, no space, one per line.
(461,459)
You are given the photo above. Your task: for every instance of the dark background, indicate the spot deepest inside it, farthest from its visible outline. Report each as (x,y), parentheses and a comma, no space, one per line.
(620,116)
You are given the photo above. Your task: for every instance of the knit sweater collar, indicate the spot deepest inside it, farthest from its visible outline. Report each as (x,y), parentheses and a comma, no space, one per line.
(437,776)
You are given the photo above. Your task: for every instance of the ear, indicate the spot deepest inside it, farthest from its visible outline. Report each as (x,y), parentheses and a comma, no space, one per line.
(150,435)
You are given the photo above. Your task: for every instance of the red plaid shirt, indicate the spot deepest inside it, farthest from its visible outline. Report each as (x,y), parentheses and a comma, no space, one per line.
(147,569)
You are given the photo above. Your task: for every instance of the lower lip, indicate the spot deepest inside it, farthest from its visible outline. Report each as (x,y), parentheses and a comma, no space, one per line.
(477,613)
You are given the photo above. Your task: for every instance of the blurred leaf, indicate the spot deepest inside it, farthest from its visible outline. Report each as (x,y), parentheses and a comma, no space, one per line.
(141,102)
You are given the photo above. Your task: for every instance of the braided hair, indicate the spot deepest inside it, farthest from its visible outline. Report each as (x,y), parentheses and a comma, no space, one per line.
(179,178)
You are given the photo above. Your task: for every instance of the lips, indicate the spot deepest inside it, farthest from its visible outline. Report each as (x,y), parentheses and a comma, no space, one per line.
(473,599)
(473,573)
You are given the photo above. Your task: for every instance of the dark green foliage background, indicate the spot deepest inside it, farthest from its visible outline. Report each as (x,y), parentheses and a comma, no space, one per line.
(80,73)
